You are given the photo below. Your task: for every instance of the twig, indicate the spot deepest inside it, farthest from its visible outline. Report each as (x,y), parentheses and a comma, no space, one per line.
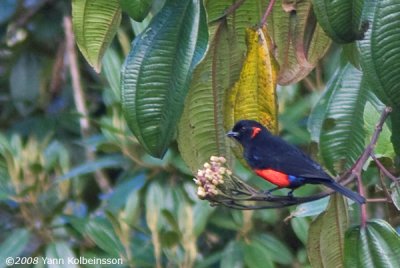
(378,200)
(80,99)
(361,191)
(267,12)
(318,78)
(357,167)
(383,169)
(384,188)
(309,84)
(244,193)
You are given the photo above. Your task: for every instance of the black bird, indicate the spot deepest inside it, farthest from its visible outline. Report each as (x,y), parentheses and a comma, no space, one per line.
(281,163)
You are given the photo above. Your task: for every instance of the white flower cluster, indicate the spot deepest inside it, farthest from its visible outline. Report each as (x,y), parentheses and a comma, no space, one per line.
(210,176)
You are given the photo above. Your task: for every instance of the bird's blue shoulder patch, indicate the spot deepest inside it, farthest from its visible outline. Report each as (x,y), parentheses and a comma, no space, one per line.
(295,181)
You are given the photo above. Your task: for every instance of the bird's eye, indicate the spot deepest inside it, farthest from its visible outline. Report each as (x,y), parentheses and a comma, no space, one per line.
(242,129)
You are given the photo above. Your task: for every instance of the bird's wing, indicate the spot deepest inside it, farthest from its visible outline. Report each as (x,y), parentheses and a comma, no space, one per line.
(284,157)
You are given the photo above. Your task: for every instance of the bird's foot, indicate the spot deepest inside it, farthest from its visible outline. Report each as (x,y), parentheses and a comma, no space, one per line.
(290,194)
(268,192)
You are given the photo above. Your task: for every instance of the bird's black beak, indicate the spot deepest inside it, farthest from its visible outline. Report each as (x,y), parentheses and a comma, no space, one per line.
(232,134)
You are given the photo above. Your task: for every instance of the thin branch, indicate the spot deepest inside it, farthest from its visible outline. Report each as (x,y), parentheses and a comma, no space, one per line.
(243,193)
(378,200)
(361,191)
(267,12)
(384,188)
(383,169)
(318,77)
(357,167)
(80,99)
(309,84)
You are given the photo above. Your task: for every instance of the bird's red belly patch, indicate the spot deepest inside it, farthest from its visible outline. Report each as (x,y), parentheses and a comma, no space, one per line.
(278,178)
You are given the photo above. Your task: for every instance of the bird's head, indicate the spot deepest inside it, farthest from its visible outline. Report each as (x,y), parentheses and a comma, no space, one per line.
(246,130)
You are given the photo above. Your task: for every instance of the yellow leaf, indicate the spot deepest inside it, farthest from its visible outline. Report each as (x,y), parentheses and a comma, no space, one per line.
(254,94)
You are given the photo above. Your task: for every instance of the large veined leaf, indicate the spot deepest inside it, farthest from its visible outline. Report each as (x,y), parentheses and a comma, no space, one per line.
(380,56)
(326,235)
(300,41)
(375,246)
(340,19)
(95,23)
(201,129)
(342,134)
(254,94)
(157,72)
(380,50)
(136,9)
(318,114)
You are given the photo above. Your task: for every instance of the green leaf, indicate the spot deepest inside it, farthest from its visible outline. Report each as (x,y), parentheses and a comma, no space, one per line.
(318,115)
(277,251)
(89,167)
(340,19)
(300,227)
(57,255)
(13,245)
(351,52)
(310,208)
(154,205)
(342,134)
(395,194)
(170,218)
(375,246)
(136,9)
(169,238)
(383,147)
(112,71)
(103,235)
(395,122)
(380,50)
(132,207)
(256,255)
(25,83)
(326,235)
(157,72)
(201,129)
(79,224)
(95,23)
(232,256)
(201,213)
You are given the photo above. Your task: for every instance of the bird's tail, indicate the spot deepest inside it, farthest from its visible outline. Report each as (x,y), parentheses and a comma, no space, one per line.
(345,191)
